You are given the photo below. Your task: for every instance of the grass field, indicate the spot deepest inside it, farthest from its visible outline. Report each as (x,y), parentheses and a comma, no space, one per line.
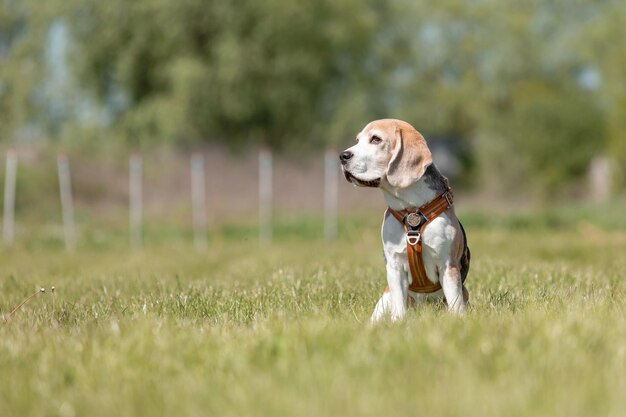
(282,330)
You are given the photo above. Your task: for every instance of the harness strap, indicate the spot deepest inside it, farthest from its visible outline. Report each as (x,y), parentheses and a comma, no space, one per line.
(414,223)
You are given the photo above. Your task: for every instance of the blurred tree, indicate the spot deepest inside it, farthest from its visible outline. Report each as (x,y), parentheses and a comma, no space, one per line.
(490,71)
(554,134)
(604,46)
(32,106)
(285,73)
(264,70)
(19,68)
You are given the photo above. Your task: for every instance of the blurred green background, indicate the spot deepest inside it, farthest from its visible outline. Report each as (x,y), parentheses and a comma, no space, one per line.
(523,104)
(527,97)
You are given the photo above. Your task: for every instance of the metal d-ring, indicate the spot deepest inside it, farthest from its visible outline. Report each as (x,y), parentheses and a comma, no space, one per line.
(413,239)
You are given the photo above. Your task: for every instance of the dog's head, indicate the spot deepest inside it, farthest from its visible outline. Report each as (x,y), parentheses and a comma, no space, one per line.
(387,151)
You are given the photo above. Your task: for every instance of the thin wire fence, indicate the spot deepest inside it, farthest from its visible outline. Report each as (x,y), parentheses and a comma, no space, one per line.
(151,185)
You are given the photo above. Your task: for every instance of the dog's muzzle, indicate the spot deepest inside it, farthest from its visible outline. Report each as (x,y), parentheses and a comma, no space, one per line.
(361,183)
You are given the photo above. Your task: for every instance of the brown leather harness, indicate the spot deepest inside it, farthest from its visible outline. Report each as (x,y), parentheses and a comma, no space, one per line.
(414,223)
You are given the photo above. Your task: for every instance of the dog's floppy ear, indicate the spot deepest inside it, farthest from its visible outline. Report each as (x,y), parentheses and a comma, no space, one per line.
(409,159)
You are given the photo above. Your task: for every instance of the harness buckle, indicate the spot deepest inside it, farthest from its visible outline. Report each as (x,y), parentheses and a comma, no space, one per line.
(448,198)
(413,237)
(413,219)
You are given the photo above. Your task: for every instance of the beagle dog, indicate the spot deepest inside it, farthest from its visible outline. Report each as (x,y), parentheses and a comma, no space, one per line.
(391,155)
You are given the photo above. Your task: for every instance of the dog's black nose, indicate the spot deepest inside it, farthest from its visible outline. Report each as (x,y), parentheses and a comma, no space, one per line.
(345,156)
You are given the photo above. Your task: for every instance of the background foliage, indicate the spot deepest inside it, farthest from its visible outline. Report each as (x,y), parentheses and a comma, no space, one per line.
(538,86)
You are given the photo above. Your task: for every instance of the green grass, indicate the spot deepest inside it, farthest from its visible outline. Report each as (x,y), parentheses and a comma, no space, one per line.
(281,330)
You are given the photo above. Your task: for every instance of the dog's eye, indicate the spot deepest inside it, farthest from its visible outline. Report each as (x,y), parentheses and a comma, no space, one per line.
(375,140)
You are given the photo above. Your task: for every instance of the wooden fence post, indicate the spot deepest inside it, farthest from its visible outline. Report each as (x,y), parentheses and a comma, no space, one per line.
(330,194)
(265,195)
(198,201)
(67,203)
(600,179)
(8,223)
(135,200)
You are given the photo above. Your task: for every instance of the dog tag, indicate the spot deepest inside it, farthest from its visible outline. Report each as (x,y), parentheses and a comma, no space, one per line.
(413,219)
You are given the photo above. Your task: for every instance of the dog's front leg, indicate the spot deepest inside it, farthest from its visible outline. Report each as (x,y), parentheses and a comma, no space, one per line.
(453,289)
(383,307)
(388,304)
(397,280)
